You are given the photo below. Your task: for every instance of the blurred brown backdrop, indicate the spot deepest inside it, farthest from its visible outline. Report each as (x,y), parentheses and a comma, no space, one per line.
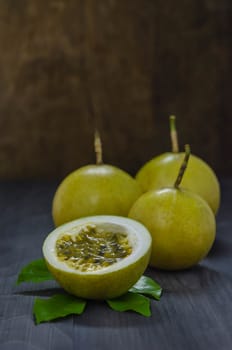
(123,65)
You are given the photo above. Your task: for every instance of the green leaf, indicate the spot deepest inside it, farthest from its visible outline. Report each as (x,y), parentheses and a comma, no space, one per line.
(147,286)
(60,305)
(131,301)
(36,271)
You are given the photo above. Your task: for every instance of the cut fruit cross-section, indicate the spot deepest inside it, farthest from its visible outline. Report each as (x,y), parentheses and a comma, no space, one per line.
(98,257)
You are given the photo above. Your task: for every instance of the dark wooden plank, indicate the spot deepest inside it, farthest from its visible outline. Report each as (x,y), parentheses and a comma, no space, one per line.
(194,312)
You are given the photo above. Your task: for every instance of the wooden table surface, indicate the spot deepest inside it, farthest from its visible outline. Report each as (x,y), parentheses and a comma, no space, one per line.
(195,311)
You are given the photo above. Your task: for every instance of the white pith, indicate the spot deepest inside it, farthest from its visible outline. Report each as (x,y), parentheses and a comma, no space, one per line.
(138,237)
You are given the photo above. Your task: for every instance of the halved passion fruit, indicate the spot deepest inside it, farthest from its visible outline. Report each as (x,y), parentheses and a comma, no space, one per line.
(98,257)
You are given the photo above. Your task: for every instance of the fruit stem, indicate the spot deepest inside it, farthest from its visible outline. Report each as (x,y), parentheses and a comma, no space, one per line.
(98,148)
(173,134)
(183,166)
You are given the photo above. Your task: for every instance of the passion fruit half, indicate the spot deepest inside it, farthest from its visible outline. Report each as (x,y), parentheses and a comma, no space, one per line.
(98,257)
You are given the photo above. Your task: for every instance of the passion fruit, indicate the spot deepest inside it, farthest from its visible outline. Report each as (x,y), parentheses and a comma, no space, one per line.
(181,223)
(95,189)
(98,257)
(160,172)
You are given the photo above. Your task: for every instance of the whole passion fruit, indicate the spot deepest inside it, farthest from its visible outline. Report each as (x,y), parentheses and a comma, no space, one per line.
(160,172)
(181,223)
(95,189)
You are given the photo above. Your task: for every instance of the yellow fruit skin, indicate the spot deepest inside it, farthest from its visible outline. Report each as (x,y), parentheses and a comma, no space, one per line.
(106,286)
(182,226)
(161,172)
(94,190)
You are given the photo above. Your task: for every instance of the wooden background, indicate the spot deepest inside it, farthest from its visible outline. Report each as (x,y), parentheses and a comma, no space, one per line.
(123,65)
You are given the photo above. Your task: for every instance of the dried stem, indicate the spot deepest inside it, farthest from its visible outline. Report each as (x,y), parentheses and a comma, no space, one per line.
(183,166)
(98,147)
(173,134)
